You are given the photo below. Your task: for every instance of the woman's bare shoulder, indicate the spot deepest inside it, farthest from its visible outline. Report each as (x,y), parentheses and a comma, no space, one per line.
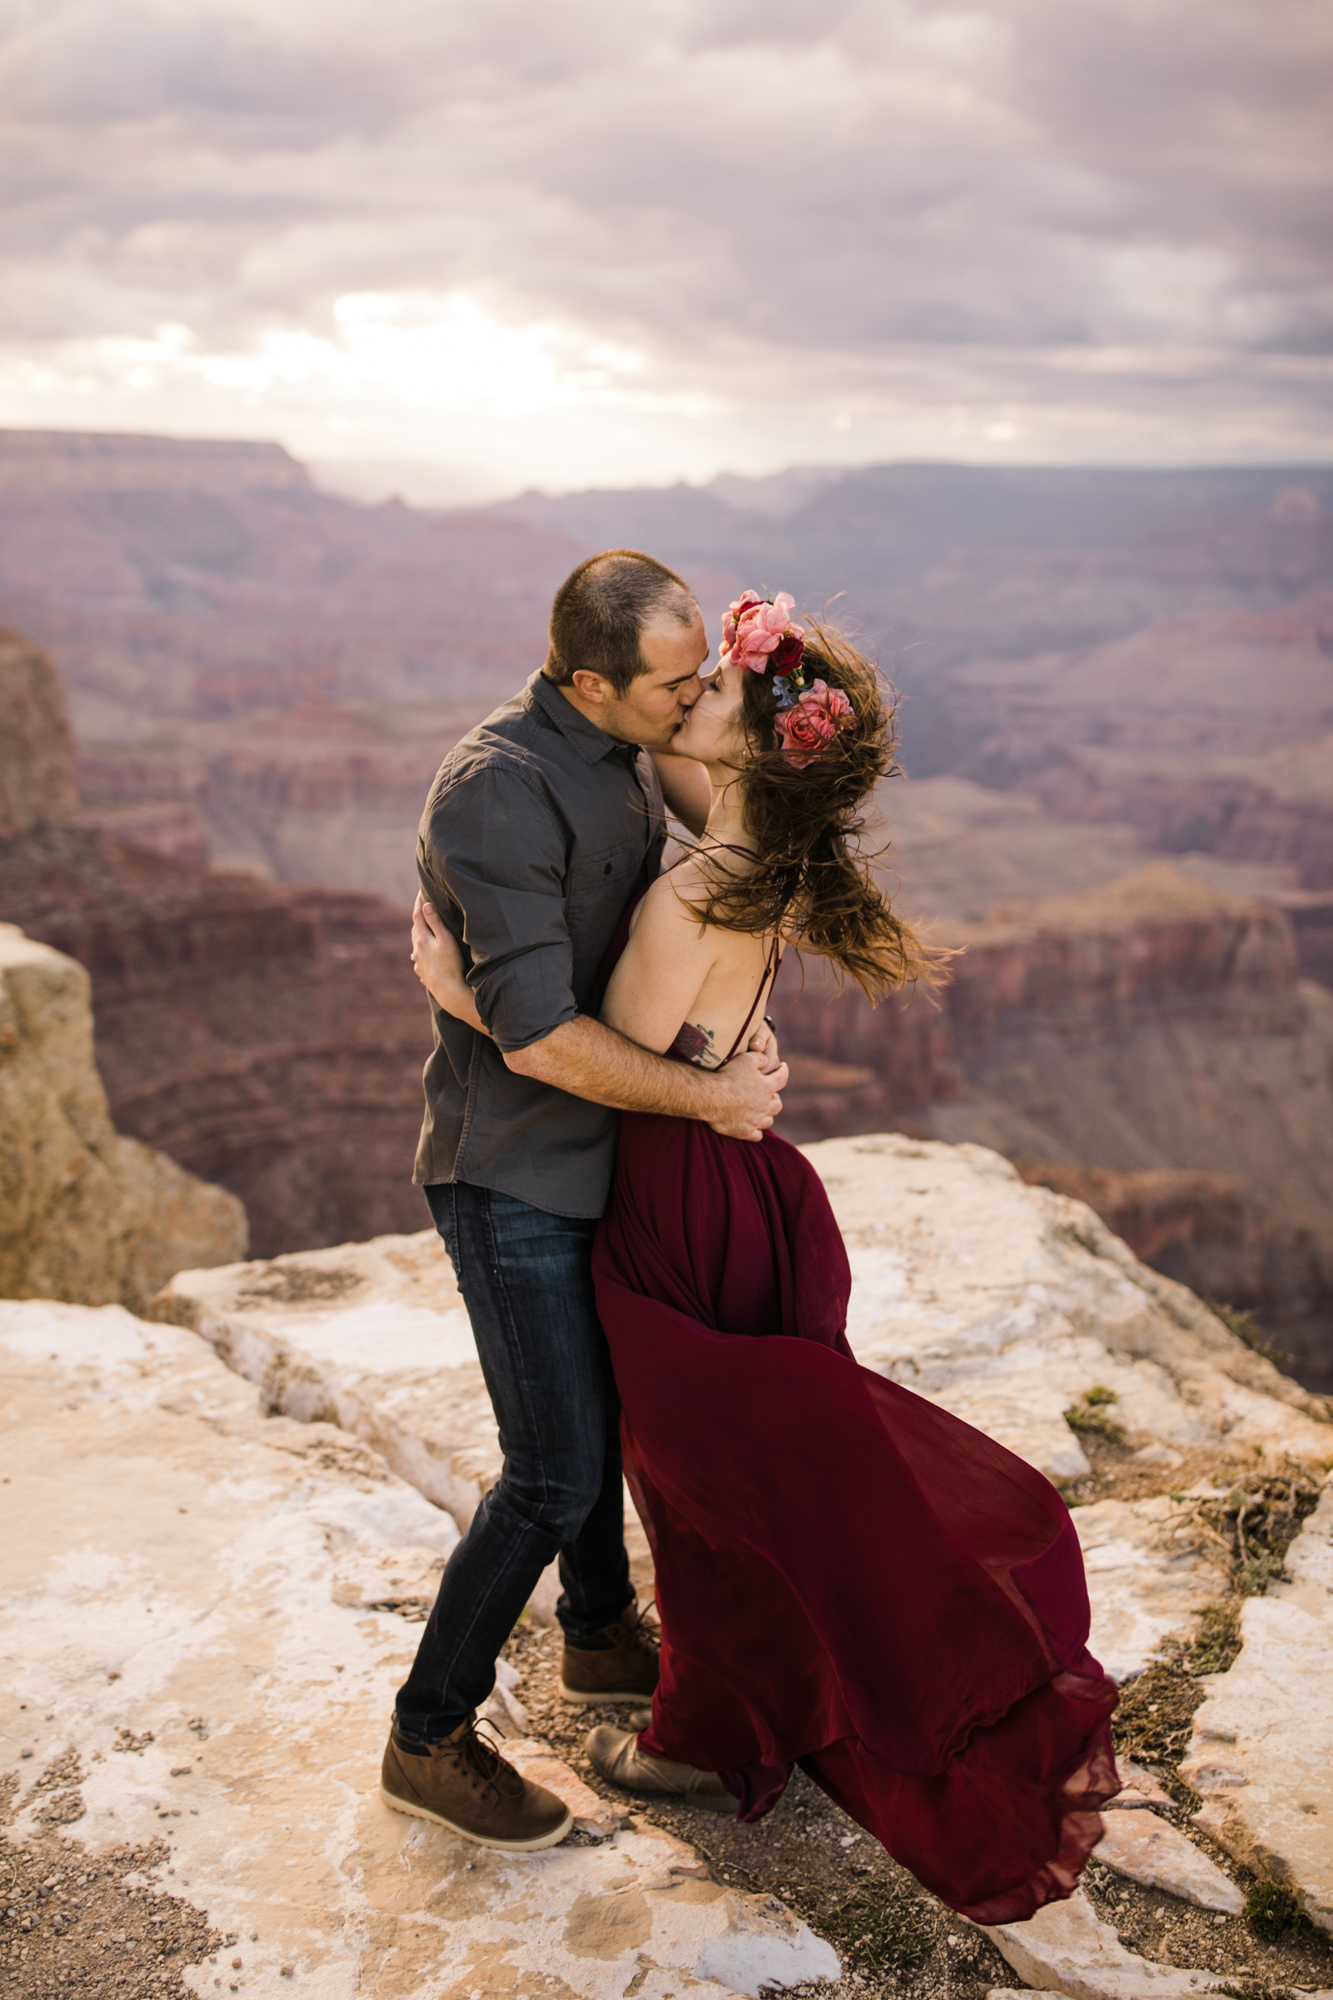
(665,906)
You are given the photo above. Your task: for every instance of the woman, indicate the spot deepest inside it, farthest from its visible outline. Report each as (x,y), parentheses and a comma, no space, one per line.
(847,1576)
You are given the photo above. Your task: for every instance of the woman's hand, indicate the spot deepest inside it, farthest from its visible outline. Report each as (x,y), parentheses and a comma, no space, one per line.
(764,1042)
(438,964)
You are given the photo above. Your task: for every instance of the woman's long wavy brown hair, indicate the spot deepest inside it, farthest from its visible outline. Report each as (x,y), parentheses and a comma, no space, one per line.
(811,884)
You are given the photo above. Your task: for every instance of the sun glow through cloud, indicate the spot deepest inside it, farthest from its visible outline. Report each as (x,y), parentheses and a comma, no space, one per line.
(429,352)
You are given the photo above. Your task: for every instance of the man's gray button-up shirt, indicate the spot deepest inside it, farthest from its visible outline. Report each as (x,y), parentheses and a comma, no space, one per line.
(538,830)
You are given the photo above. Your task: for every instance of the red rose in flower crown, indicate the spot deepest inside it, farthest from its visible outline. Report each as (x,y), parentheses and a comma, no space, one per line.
(812,721)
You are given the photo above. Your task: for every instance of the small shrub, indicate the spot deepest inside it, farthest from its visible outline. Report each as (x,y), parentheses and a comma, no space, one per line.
(1247,1328)
(1216,1639)
(1254,1989)
(1260,1518)
(1155,1718)
(1098,1394)
(1089,1419)
(1271,1912)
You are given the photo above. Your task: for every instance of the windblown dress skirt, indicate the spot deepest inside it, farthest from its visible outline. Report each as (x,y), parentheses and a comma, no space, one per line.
(848,1578)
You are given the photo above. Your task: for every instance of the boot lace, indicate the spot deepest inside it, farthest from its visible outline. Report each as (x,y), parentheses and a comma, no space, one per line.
(645,1637)
(478,1755)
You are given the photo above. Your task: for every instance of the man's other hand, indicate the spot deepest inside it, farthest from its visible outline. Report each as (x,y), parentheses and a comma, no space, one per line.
(750,1096)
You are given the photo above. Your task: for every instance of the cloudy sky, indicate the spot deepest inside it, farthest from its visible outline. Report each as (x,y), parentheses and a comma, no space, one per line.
(457,247)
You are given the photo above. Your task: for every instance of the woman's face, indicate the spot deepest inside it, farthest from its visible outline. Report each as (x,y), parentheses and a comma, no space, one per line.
(712,733)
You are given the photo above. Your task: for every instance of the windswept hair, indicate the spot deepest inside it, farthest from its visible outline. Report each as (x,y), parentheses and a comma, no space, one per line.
(811,884)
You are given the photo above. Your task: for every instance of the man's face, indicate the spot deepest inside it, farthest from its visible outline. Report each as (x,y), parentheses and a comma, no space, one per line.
(657,701)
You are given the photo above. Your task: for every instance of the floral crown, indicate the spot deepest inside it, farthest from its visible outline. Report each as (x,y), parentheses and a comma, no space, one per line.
(759,633)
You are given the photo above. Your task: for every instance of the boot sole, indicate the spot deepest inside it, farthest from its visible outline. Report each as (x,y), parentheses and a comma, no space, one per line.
(585,1698)
(713,1802)
(478,1839)
(704,1801)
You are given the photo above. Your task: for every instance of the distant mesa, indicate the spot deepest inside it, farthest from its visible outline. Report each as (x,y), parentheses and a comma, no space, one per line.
(110,462)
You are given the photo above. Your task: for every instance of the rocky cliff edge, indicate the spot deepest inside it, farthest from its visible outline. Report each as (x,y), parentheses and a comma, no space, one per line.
(85,1213)
(212,1595)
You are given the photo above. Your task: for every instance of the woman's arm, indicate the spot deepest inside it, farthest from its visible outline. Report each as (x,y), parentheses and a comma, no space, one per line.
(685,788)
(438,964)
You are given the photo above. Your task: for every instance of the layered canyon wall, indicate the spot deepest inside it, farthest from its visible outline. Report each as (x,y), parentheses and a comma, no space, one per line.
(1208,735)
(183,580)
(86,1213)
(324,792)
(1110,666)
(267,1039)
(1152,1027)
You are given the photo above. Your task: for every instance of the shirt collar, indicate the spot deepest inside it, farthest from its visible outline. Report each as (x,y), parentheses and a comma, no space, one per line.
(592,743)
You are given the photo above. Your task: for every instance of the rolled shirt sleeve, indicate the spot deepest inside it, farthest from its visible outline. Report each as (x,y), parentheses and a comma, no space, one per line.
(498,850)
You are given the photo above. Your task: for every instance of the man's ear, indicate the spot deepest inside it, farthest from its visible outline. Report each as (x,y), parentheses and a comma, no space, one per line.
(591,687)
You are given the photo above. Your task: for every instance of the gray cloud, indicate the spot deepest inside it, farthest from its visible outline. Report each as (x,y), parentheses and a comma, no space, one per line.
(779,203)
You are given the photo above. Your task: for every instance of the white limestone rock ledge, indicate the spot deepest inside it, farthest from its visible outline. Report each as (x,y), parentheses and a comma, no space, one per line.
(186,1607)
(1148,1850)
(372,1337)
(1262,1748)
(1002,1302)
(1068,1950)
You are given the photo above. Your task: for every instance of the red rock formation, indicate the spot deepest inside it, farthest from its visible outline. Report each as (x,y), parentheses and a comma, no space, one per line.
(1158,1210)
(1087,968)
(269,1039)
(322,792)
(38,776)
(181,579)
(1151,1025)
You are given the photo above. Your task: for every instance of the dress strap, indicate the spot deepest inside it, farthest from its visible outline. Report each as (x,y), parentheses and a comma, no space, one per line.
(771,963)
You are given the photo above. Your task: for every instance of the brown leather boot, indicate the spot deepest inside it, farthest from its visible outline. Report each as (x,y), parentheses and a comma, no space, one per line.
(625,1669)
(465,1785)
(615,1755)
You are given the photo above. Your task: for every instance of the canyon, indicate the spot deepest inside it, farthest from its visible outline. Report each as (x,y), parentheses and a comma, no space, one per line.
(237,1475)
(1116,716)
(266,1038)
(1155,1027)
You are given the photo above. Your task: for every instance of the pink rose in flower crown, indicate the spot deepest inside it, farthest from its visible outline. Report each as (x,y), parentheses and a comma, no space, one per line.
(752,630)
(813,721)
(735,612)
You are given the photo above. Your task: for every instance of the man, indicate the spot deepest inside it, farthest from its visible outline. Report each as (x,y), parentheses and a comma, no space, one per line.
(541,824)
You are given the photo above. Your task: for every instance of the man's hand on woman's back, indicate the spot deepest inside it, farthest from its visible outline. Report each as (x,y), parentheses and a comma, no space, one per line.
(589,1059)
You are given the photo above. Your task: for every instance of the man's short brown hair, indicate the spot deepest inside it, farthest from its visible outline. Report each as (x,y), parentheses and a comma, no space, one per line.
(600,611)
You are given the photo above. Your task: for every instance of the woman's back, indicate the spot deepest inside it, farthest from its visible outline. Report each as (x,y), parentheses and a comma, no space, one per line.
(683,987)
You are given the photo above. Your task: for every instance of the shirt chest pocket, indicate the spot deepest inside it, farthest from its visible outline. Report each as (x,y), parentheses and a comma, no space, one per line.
(598,885)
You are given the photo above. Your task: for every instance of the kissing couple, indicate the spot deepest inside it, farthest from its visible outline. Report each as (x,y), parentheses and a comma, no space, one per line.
(848,1578)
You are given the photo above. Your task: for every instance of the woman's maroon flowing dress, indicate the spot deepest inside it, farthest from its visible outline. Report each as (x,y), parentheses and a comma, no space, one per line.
(848,1577)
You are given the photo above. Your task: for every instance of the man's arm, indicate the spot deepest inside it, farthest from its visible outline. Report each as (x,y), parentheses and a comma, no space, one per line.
(590,1060)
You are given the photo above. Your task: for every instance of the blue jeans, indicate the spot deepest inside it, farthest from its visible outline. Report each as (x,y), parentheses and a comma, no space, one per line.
(526,1281)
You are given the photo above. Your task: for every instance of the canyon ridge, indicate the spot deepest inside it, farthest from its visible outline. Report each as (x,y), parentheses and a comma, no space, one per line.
(1118,699)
